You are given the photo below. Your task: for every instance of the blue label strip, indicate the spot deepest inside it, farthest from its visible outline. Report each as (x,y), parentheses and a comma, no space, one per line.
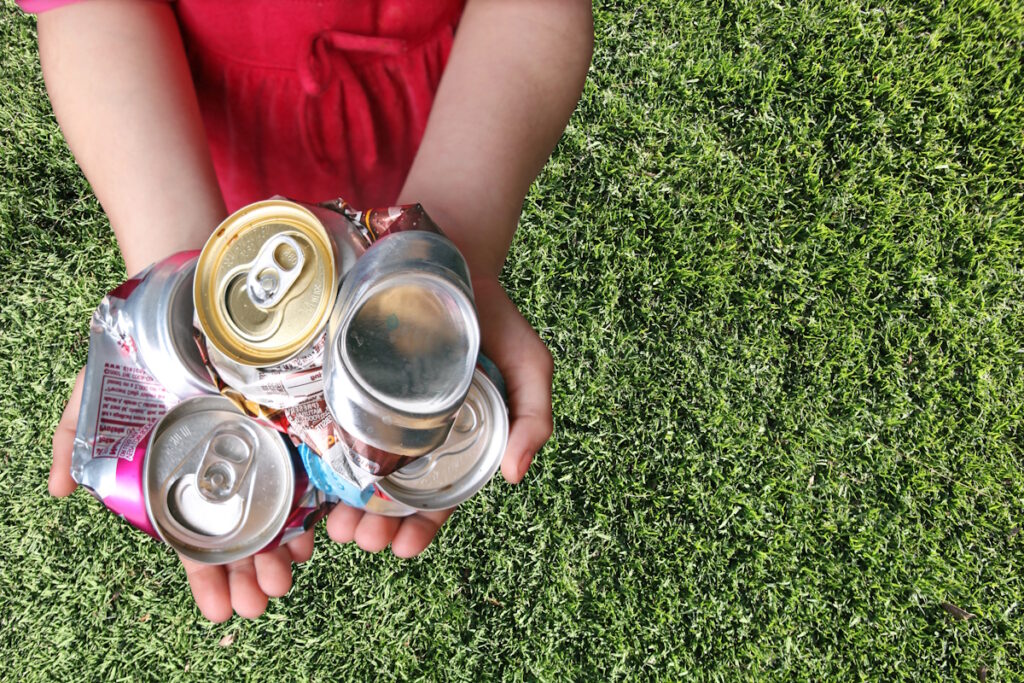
(328,481)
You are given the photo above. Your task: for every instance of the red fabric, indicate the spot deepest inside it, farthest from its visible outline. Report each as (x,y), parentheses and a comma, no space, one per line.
(316,100)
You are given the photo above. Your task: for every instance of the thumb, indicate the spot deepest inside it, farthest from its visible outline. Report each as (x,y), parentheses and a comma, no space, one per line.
(61,483)
(525,363)
(529,394)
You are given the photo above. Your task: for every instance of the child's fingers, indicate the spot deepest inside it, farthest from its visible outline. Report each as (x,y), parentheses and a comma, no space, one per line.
(342,523)
(416,532)
(301,549)
(274,571)
(247,598)
(526,365)
(527,434)
(209,584)
(528,379)
(60,482)
(375,532)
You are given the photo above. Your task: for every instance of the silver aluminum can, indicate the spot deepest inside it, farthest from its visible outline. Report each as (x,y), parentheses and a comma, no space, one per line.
(464,463)
(402,346)
(160,310)
(218,486)
(444,478)
(386,507)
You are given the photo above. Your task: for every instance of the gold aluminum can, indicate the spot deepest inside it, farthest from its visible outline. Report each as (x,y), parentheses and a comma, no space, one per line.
(265,283)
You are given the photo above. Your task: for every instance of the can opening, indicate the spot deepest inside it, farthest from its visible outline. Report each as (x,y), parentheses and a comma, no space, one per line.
(227,454)
(274,270)
(465,462)
(260,295)
(190,509)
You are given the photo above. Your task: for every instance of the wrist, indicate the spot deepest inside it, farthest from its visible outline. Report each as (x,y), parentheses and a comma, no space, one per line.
(480,223)
(486,287)
(477,236)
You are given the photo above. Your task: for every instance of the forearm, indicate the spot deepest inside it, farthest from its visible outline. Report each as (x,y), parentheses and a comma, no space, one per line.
(119,83)
(513,78)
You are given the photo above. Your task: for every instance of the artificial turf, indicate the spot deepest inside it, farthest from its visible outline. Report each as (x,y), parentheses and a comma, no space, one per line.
(778,259)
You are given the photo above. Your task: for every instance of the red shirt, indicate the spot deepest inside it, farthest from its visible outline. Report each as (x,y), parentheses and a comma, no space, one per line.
(313,100)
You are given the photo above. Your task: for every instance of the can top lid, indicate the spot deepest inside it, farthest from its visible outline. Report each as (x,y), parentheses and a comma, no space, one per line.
(465,462)
(218,485)
(265,283)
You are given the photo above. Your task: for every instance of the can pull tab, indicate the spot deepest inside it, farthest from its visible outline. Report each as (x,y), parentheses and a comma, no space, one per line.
(275,270)
(228,453)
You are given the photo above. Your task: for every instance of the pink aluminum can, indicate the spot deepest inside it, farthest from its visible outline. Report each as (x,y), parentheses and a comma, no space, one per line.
(135,437)
(210,482)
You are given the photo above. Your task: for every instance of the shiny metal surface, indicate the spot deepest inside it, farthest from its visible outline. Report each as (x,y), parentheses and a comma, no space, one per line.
(218,485)
(402,344)
(464,463)
(348,239)
(276,247)
(161,312)
(142,360)
(406,343)
(274,271)
(379,505)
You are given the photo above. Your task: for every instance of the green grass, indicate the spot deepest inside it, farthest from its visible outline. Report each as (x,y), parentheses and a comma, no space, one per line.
(778,259)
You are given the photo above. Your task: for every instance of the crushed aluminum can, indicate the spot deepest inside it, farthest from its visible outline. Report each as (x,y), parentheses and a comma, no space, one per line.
(218,486)
(265,285)
(445,477)
(210,482)
(159,312)
(143,362)
(402,346)
(290,396)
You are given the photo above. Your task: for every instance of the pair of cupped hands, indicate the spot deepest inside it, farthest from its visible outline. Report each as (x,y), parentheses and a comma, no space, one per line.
(245,586)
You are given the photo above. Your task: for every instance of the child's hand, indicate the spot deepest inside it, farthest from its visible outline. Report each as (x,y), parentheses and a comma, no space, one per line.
(246,585)
(243,586)
(524,361)
(407,536)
